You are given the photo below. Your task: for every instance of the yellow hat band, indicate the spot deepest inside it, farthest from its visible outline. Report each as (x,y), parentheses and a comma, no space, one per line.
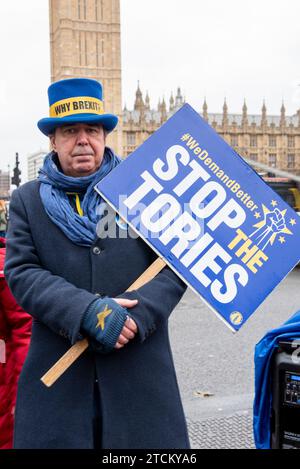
(78,105)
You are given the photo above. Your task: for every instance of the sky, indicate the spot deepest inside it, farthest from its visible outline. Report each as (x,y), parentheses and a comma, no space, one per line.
(215,49)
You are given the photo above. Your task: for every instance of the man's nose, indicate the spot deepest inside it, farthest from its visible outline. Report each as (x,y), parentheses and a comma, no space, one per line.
(82,137)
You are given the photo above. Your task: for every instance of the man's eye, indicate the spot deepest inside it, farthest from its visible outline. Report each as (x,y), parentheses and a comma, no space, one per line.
(69,131)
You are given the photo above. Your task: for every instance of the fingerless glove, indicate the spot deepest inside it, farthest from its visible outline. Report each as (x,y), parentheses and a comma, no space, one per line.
(103,321)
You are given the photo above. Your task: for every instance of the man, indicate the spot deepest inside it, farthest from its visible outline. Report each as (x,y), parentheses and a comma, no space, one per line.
(122,392)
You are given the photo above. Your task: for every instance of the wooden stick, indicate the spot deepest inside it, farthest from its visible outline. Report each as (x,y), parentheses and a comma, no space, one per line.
(77,349)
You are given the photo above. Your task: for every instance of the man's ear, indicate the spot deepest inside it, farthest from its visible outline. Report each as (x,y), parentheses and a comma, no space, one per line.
(52,142)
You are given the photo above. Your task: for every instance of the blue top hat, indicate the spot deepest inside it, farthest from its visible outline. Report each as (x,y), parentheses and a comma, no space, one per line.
(73,101)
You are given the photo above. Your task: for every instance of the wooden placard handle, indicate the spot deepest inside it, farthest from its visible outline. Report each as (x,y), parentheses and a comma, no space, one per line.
(77,349)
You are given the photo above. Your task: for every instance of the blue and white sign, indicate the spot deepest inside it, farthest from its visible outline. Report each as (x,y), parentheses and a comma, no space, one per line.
(214,221)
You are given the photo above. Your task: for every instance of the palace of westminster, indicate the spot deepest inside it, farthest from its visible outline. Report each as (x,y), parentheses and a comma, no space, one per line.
(86,42)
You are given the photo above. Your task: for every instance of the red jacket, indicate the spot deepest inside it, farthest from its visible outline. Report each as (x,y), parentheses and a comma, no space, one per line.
(15,327)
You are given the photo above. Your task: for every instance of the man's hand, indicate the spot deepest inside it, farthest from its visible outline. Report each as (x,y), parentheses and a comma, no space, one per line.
(130,328)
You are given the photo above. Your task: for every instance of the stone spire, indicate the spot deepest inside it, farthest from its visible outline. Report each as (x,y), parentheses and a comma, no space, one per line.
(179,98)
(163,110)
(245,115)
(225,114)
(204,108)
(139,104)
(282,116)
(264,121)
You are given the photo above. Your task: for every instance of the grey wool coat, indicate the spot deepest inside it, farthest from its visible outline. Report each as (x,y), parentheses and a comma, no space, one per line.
(55,281)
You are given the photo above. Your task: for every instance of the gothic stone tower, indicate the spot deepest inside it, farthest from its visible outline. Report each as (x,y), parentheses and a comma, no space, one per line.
(85,42)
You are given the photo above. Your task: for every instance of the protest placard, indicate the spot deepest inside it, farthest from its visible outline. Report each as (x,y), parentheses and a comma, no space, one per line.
(208,214)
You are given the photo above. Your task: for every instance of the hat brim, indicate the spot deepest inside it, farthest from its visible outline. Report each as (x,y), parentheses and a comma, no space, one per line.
(49,124)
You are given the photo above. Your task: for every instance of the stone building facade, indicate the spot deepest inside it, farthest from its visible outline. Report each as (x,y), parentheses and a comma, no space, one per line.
(34,163)
(4,184)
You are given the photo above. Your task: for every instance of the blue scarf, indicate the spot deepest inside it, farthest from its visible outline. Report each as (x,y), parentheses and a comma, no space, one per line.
(54,185)
(263,393)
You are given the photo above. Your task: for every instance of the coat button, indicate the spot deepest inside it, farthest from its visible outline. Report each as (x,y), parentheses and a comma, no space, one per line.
(96,251)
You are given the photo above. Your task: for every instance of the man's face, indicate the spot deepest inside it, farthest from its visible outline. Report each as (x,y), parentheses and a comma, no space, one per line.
(80,148)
